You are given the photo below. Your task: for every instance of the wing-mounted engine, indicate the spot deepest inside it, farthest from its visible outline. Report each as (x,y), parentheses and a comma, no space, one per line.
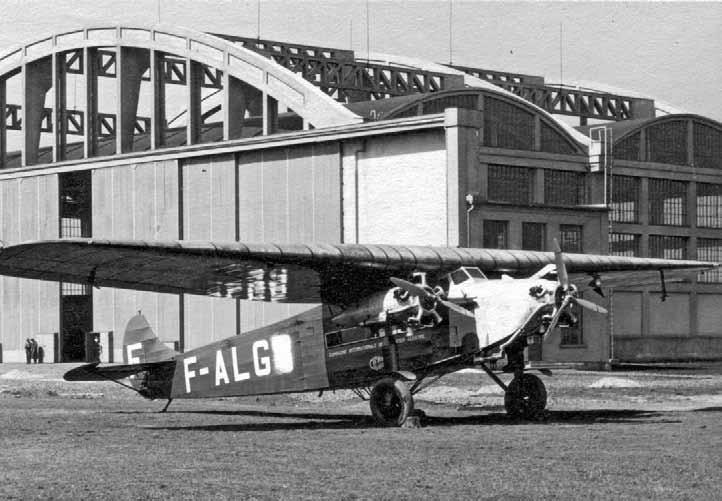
(393,305)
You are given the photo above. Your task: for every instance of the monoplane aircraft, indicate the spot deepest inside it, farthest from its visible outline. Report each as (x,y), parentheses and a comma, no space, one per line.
(391,317)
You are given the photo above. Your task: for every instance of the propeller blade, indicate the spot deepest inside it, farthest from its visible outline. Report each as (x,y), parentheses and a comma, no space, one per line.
(456,308)
(412,289)
(557,314)
(561,267)
(590,306)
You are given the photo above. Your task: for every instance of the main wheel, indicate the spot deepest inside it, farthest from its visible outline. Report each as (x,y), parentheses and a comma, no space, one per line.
(526,397)
(391,402)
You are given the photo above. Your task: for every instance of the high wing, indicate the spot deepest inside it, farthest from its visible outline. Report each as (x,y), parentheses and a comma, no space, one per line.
(337,274)
(93,372)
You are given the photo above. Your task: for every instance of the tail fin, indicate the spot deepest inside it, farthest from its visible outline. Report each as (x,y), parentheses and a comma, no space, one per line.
(141,345)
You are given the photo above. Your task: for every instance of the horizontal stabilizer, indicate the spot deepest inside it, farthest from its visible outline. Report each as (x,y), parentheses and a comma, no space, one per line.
(92,372)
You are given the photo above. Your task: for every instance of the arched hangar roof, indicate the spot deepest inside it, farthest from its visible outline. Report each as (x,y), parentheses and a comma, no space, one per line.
(303,97)
(682,139)
(509,115)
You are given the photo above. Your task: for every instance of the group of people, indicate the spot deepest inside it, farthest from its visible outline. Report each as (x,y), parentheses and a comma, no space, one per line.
(33,351)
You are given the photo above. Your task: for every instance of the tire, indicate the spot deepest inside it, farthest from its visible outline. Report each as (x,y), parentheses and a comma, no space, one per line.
(525,397)
(391,402)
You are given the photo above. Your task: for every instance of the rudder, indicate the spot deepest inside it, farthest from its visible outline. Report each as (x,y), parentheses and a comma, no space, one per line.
(141,345)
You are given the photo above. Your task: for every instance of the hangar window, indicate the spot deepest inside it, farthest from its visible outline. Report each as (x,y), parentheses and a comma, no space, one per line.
(75,204)
(563,187)
(707,146)
(667,247)
(667,143)
(625,199)
(570,238)
(623,244)
(533,236)
(553,142)
(709,205)
(628,148)
(507,126)
(667,202)
(510,184)
(710,249)
(496,234)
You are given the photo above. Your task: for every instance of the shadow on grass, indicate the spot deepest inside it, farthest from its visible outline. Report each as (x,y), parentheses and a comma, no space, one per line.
(315,421)
(709,409)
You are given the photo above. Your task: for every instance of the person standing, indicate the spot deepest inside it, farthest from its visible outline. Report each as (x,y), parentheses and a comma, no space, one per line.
(28,350)
(41,354)
(34,351)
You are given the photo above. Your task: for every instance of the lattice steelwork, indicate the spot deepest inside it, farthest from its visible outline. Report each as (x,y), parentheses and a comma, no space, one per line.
(510,184)
(667,202)
(624,244)
(507,126)
(533,236)
(496,234)
(667,142)
(710,249)
(668,247)
(709,205)
(707,146)
(563,187)
(625,199)
(570,238)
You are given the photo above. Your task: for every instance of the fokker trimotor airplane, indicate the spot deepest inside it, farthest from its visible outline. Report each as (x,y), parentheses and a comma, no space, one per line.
(391,317)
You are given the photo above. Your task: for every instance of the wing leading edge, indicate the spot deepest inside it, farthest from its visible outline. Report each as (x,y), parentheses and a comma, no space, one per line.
(281,272)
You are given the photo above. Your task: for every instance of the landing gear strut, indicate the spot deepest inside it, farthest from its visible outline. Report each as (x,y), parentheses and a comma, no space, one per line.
(391,402)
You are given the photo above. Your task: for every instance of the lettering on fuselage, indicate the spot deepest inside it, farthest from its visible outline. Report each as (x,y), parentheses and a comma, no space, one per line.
(267,357)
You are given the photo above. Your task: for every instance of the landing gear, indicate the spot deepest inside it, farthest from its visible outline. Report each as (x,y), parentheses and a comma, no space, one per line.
(391,402)
(525,397)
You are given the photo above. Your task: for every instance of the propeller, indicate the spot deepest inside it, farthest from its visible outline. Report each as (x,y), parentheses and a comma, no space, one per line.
(568,292)
(421,292)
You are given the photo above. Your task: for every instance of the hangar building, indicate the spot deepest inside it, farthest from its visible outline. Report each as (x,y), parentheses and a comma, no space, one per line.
(163,133)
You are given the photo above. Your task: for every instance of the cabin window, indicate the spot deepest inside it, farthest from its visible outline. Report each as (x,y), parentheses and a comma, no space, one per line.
(667,202)
(475,273)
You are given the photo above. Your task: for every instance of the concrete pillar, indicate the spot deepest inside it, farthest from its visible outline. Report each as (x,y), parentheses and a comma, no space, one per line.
(157,106)
(538,186)
(270,114)
(90,142)
(691,205)
(537,133)
(644,201)
(236,96)
(59,107)
(194,77)
(3,126)
(37,81)
(131,63)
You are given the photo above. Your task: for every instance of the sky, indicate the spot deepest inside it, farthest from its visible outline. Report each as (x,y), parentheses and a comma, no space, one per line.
(666,51)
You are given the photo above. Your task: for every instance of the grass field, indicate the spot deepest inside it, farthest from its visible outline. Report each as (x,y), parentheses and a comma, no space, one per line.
(632,435)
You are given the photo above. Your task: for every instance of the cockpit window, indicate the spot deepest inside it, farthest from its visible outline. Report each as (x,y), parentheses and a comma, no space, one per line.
(475,273)
(459,276)
(463,274)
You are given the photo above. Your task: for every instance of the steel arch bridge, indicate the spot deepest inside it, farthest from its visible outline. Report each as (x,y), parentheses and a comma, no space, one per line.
(226,92)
